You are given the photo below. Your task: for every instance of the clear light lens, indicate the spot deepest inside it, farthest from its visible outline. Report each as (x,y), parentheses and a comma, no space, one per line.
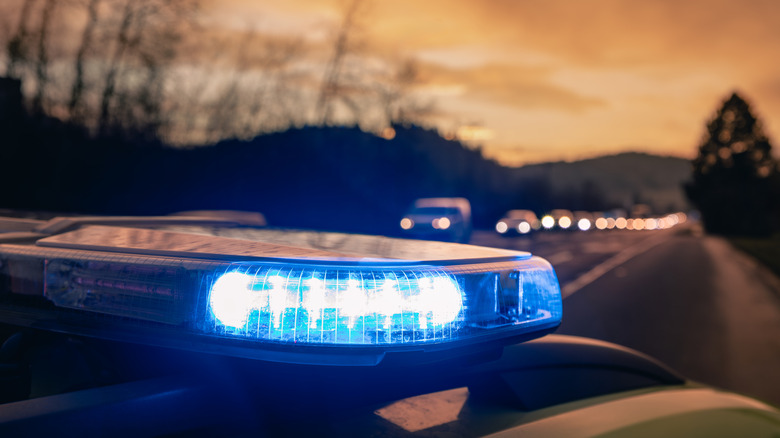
(231,298)
(235,295)
(337,305)
(153,290)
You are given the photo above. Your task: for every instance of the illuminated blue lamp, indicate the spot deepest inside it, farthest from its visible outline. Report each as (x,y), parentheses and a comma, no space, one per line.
(367,305)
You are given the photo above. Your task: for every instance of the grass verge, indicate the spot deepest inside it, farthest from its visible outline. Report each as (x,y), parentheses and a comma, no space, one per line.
(765,250)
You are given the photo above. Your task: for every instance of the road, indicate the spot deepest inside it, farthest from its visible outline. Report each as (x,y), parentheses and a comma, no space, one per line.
(688,299)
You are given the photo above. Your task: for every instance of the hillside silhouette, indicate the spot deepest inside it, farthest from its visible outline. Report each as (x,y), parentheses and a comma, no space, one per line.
(616,180)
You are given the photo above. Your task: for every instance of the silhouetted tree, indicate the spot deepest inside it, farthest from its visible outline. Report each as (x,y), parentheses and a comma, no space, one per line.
(134,40)
(395,95)
(42,61)
(141,45)
(75,103)
(333,87)
(733,173)
(117,68)
(17,47)
(255,96)
(357,90)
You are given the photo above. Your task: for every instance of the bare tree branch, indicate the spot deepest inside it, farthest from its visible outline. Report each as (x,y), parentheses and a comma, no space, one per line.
(42,62)
(75,108)
(17,46)
(331,83)
(109,83)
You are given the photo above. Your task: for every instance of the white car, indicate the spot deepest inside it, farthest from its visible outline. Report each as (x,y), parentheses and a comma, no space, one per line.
(446,219)
(517,222)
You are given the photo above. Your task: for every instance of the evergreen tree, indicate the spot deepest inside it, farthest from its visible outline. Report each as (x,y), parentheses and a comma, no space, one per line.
(734,173)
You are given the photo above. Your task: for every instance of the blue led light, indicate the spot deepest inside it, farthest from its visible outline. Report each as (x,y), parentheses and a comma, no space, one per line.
(336,306)
(381,306)
(231,298)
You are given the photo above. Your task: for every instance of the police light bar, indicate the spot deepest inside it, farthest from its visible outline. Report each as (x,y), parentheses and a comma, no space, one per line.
(278,302)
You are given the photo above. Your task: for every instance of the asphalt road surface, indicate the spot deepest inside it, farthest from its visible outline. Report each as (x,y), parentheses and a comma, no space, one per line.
(688,299)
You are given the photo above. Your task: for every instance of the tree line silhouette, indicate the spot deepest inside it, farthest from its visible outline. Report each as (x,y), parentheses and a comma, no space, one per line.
(339,178)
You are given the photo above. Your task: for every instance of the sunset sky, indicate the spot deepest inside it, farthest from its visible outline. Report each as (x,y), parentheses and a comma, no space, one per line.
(550,79)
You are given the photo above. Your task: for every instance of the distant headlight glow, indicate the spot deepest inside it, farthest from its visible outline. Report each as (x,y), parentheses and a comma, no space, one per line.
(523,227)
(502,227)
(441,223)
(407,223)
(548,222)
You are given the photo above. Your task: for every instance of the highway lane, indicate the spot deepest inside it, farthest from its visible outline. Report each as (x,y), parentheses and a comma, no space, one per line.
(572,253)
(690,300)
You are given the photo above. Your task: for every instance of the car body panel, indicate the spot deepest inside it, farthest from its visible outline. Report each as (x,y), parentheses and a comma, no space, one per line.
(679,412)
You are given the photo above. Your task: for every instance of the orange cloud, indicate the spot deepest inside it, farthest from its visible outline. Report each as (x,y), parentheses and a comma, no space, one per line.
(512,85)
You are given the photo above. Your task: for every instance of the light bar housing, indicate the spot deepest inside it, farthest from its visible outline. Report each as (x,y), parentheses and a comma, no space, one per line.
(340,311)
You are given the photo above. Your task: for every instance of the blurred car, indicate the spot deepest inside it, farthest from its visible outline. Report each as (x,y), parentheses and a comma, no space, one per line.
(222,330)
(517,222)
(446,219)
(558,219)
